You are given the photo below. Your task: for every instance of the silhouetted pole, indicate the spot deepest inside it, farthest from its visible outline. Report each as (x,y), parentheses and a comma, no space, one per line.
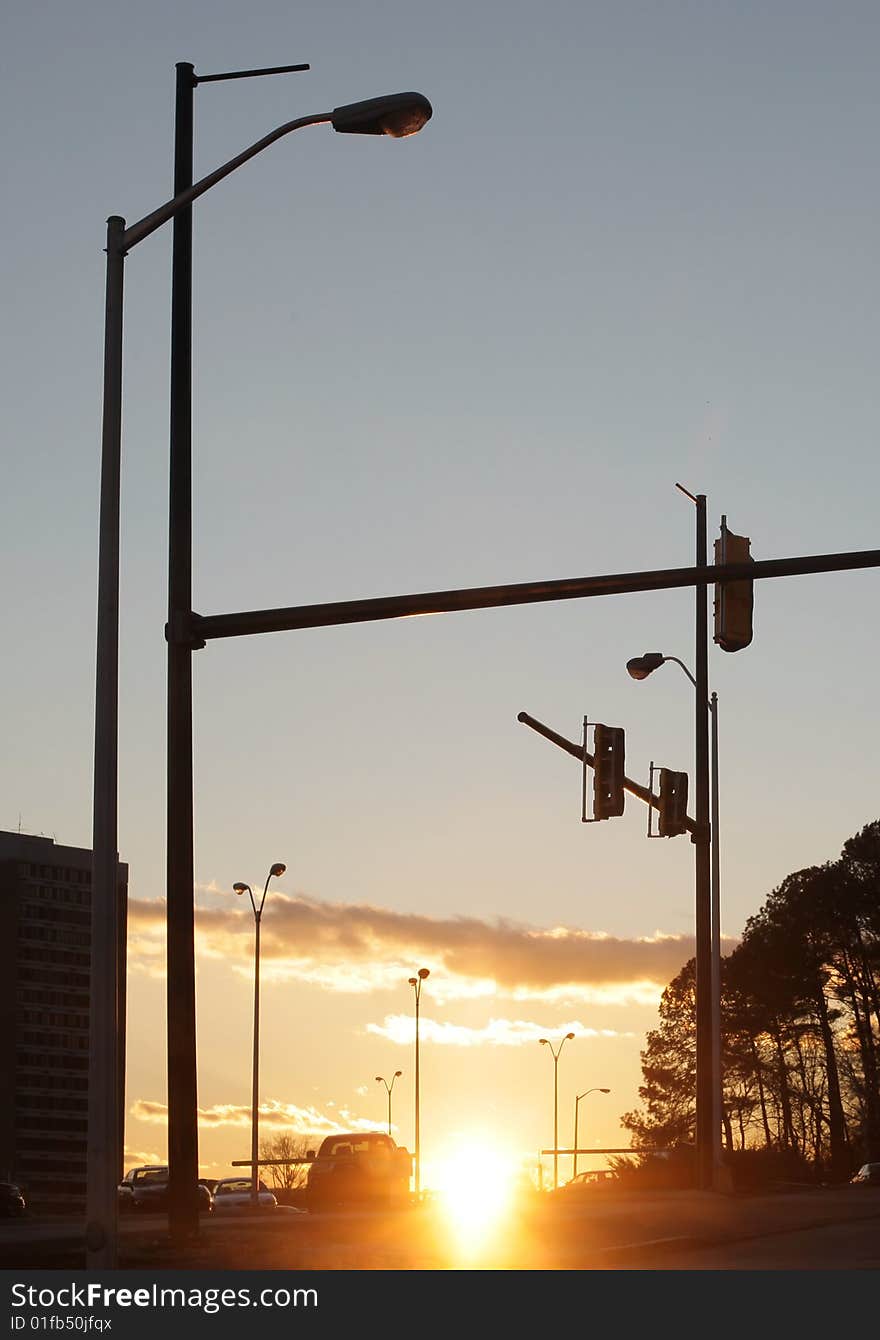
(717,1068)
(702,881)
(555,1054)
(375,116)
(380,1079)
(102,1169)
(183,1137)
(183,1143)
(640,667)
(277,870)
(574,1168)
(416,984)
(397,115)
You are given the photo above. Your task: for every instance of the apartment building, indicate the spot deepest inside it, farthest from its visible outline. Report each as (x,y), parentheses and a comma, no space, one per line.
(45,975)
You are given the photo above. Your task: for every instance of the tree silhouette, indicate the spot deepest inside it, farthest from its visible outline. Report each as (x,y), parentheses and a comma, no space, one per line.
(285,1145)
(800,1025)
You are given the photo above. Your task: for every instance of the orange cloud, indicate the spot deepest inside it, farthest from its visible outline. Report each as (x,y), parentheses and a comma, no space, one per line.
(358,948)
(497,1032)
(285,1116)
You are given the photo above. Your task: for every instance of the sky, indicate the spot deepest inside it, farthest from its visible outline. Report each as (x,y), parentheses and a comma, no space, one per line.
(635,245)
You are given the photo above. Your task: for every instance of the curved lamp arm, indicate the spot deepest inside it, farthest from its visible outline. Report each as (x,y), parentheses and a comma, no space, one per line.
(397,114)
(138,231)
(683,666)
(277,869)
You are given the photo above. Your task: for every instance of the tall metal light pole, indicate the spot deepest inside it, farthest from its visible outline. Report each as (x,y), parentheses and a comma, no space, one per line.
(702,862)
(181,1005)
(416,984)
(397,115)
(702,859)
(380,1079)
(555,1053)
(574,1167)
(277,870)
(639,668)
(103,1151)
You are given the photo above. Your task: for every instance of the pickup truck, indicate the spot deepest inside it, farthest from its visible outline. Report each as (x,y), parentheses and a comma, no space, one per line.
(359,1169)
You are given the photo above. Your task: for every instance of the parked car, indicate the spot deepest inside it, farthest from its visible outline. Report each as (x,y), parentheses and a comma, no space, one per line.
(145,1190)
(589,1181)
(143,1176)
(362,1168)
(867,1175)
(12,1202)
(233,1195)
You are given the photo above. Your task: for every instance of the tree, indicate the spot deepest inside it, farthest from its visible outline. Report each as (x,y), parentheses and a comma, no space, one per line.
(669,1069)
(285,1145)
(800,1014)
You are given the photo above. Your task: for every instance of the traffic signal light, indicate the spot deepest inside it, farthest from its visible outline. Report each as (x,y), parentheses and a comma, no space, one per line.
(673,802)
(608,771)
(734,601)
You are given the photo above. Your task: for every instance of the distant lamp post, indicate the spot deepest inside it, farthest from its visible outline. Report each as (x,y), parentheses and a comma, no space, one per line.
(416,984)
(639,668)
(277,870)
(555,1053)
(380,1079)
(574,1169)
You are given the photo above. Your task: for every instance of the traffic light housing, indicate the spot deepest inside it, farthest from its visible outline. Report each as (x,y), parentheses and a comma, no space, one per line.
(608,771)
(734,601)
(673,802)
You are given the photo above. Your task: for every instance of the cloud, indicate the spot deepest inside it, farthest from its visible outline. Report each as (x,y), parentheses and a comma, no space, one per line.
(284,1116)
(136,1158)
(358,948)
(497,1032)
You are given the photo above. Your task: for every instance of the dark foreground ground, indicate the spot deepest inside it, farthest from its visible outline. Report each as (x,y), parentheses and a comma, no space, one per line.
(830,1228)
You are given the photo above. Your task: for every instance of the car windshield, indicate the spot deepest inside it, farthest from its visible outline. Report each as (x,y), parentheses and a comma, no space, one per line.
(225,1188)
(352,1144)
(151,1176)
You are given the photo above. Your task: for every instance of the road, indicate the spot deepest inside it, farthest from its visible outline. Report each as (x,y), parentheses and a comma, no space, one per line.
(848,1246)
(811,1229)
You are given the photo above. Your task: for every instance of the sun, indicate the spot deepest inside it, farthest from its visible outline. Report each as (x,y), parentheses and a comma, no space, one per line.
(473,1181)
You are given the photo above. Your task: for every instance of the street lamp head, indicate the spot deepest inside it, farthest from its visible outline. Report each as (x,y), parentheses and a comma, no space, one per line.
(424,972)
(277,869)
(604,1090)
(240,888)
(379,1079)
(413,981)
(397,114)
(642,666)
(544,1042)
(397,1074)
(569,1035)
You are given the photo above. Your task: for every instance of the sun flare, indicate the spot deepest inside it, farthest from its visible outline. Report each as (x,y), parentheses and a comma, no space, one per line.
(474,1183)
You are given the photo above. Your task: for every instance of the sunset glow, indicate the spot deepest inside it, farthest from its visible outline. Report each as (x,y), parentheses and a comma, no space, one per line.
(475,1183)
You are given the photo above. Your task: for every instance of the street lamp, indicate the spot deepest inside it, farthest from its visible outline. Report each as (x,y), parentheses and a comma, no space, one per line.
(640,667)
(416,984)
(574,1169)
(380,1079)
(545,1043)
(397,115)
(277,870)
